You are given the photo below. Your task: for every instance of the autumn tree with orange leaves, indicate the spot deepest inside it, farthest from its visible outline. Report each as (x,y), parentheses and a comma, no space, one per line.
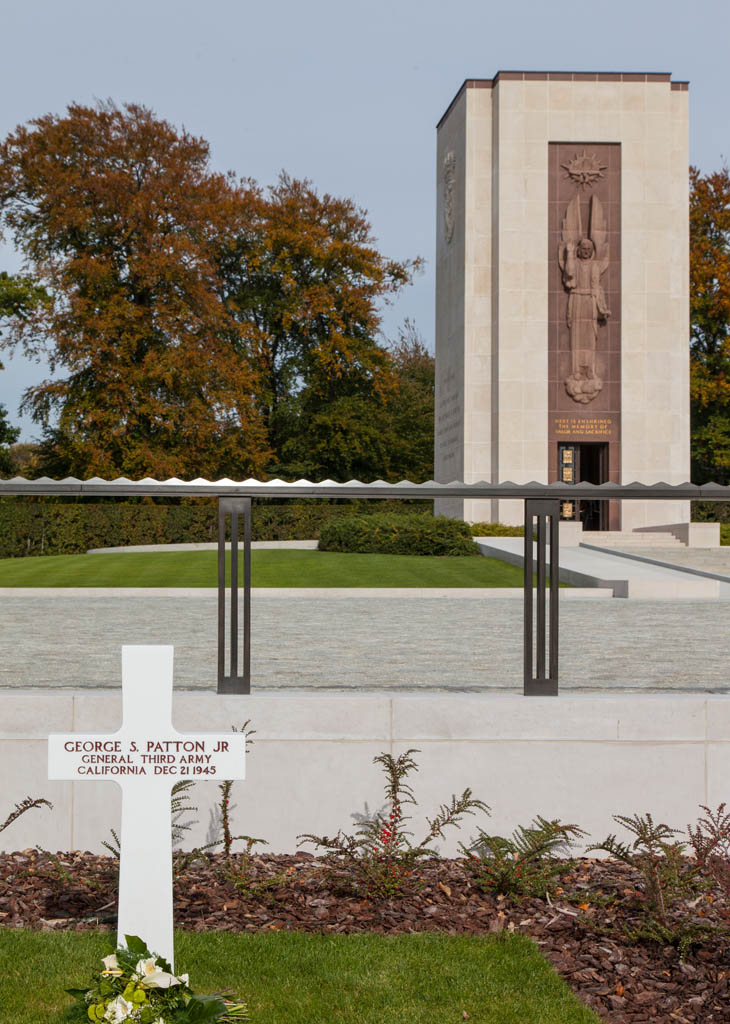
(202,325)
(710,325)
(121,220)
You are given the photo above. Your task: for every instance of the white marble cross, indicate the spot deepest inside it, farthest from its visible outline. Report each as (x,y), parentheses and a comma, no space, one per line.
(146,757)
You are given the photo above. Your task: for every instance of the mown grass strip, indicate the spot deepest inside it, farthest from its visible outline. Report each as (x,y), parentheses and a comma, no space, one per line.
(297,978)
(269,568)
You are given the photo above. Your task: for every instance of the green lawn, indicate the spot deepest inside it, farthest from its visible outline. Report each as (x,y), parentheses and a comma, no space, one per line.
(269,568)
(295,978)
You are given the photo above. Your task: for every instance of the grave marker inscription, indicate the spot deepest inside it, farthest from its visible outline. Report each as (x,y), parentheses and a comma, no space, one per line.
(146,756)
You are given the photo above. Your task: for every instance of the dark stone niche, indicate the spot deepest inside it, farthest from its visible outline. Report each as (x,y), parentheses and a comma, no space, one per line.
(584,303)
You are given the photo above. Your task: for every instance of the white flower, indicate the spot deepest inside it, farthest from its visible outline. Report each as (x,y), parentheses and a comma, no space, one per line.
(111,966)
(146,967)
(184,979)
(118,1010)
(151,976)
(160,979)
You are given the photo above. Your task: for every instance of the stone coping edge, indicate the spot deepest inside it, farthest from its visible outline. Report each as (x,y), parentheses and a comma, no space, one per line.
(258,545)
(474,593)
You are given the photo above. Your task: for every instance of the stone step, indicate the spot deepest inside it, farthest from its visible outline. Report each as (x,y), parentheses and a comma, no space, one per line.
(617,539)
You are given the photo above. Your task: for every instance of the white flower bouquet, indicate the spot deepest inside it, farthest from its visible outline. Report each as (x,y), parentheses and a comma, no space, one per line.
(138,987)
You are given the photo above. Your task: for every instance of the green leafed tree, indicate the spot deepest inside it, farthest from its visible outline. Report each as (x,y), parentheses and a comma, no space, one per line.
(8,435)
(311,282)
(19,297)
(710,325)
(410,407)
(373,434)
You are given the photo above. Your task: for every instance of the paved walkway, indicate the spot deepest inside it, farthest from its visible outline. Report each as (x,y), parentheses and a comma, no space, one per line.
(629,576)
(347,641)
(716,560)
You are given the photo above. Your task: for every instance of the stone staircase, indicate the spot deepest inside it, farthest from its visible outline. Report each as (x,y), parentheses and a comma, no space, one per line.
(619,539)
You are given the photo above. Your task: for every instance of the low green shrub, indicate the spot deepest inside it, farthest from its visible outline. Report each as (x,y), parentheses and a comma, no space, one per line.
(397,535)
(710,841)
(525,863)
(496,530)
(670,883)
(31,527)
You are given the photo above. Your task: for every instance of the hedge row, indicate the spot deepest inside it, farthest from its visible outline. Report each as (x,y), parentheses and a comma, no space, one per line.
(397,535)
(49,528)
(496,530)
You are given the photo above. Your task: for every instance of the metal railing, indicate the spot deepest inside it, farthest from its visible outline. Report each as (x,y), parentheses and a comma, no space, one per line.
(238,679)
(542,503)
(545,682)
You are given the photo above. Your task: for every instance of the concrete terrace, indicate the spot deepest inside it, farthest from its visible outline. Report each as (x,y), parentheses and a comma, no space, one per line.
(365,641)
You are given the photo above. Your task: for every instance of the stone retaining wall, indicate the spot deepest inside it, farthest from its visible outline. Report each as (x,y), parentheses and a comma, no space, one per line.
(581,758)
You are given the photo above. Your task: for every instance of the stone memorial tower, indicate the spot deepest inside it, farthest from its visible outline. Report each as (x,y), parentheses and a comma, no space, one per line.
(562,308)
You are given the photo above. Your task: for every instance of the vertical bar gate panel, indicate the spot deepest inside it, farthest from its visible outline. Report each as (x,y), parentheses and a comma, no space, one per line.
(541,682)
(238,679)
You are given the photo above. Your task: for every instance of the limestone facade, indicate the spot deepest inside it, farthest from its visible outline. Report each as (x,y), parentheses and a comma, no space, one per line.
(493,269)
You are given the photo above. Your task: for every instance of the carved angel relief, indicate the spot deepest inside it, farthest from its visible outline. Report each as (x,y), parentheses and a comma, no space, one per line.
(583,259)
(449,203)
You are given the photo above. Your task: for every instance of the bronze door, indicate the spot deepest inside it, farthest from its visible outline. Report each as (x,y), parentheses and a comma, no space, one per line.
(584,463)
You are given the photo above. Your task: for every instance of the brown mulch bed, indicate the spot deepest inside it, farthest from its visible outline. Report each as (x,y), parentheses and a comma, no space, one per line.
(581,930)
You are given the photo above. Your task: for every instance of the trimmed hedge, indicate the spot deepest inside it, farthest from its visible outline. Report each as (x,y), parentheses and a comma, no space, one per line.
(40,528)
(397,535)
(496,530)
(55,528)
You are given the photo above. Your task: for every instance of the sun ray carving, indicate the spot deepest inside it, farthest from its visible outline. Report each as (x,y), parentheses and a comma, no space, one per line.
(584,169)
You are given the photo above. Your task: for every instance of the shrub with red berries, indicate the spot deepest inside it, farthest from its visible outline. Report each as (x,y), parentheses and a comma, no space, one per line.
(379,860)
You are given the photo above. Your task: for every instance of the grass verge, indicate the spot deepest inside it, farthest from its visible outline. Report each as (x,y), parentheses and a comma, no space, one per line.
(297,978)
(269,568)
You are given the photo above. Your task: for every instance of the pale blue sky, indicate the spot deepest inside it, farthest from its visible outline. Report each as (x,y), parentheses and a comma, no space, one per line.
(346,94)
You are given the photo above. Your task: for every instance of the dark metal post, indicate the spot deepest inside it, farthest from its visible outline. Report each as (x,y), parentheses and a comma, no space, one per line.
(541,684)
(221,591)
(527,614)
(541,524)
(247,598)
(233,639)
(237,681)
